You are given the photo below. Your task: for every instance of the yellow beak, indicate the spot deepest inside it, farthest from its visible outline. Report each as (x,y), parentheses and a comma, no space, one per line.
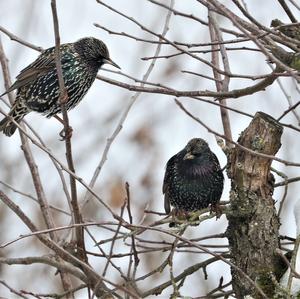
(109,61)
(188,156)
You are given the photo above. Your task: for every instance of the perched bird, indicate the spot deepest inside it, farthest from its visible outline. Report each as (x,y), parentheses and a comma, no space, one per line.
(291,59)
(193,178)
(37,85)
(290,30)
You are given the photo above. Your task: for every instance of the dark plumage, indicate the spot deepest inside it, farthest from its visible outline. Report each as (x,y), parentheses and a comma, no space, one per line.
(37,85)
(291,59)
(193,178)
(290,30)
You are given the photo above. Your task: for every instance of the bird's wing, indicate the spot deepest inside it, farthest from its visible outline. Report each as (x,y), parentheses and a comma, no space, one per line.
(167,204)
(165,188)
(43,64)
(218,182)
(217,165)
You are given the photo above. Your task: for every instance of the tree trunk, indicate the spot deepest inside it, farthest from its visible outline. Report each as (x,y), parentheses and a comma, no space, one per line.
(253,223)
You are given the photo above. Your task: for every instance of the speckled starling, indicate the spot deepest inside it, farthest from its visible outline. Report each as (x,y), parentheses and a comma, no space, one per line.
(291,59)
(290,30)
(37,85)
(193,178)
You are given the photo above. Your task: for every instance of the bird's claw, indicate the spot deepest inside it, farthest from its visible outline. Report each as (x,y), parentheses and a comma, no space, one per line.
(66,134)
(181,217)
(217,209)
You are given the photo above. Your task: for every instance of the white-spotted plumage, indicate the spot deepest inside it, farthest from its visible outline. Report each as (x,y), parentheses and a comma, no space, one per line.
(193,178)
(37,85)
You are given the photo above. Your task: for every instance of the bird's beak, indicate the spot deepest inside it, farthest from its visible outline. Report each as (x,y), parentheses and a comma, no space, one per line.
(188,156)
(109,61)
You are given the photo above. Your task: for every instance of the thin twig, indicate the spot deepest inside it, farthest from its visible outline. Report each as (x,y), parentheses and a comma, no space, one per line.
(288,11)
(12,290)
(63,98)
(135,254)
(293,273)
(233,142)
(92,275)
(44,206)
(20,40)
(123,118)
(215,34)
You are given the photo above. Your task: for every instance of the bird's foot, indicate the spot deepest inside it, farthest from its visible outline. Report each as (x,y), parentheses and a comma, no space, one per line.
(177,228)
(177,217)
(66,134)
(181,217)
(193,218)
(217,209)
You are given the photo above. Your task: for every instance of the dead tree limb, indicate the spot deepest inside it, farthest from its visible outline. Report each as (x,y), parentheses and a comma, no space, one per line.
(253,222)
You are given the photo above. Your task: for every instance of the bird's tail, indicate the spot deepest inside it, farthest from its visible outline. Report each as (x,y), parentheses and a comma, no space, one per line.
(17,112)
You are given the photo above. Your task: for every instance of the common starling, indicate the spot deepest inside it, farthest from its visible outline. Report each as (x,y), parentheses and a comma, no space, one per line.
(291,59)
(290,30)
(193,178)
(37,85)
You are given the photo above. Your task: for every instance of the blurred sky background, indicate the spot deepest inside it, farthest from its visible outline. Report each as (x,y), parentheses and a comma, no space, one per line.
(155,128)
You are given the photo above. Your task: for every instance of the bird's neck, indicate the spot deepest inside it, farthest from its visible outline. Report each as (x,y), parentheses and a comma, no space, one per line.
(197,170)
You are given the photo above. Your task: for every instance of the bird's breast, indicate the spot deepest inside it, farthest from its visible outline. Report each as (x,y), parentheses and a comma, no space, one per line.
(197,170)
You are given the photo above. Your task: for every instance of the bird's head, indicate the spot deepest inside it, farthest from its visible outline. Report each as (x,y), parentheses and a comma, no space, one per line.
(93,51)
(196,149)
(197,158)
(276,23)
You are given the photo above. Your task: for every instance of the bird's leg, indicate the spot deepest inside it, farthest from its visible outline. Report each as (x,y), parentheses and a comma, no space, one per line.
(63,134)
(179,216)
(173,216)
(182,215)
(193,218)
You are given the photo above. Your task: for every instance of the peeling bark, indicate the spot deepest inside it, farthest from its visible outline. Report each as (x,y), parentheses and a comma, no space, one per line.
(253,223)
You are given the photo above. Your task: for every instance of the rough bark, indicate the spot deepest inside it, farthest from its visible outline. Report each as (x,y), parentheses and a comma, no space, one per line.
(253,224)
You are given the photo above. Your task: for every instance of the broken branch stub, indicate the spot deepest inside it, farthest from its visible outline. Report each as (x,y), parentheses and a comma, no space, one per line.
(253,223)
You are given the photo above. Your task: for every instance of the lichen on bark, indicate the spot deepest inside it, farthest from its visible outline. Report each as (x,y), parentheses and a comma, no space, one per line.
(253,229)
